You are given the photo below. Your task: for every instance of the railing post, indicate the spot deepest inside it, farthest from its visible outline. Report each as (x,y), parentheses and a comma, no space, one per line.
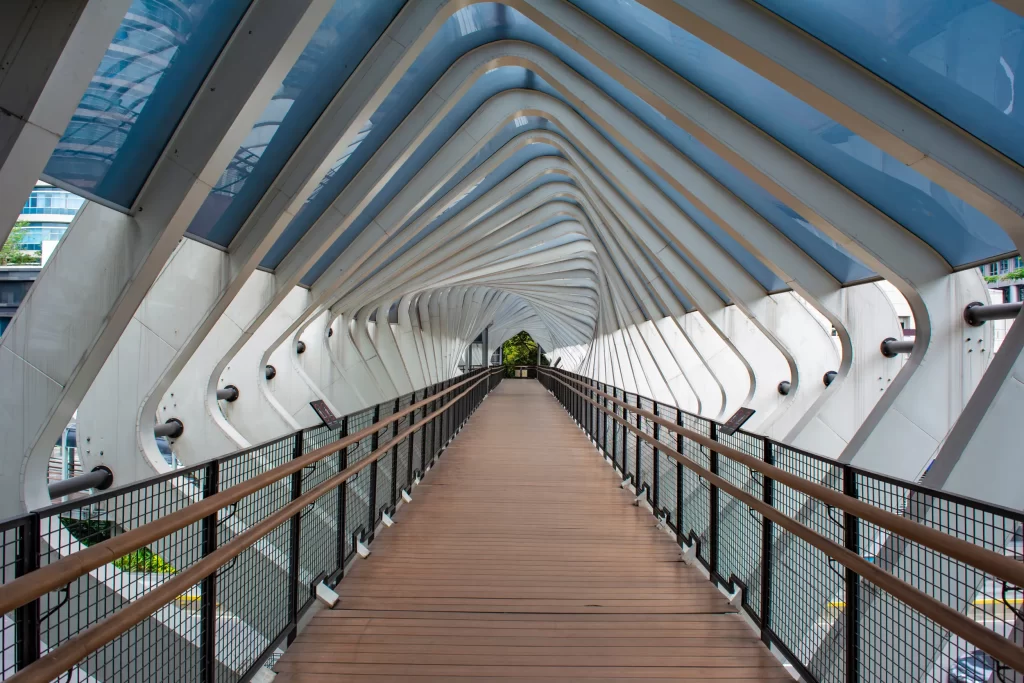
(655,484)
(615,429)
(412,441)
(680,445)
(342,495)
(371,521)
(296,537)
(768,496)
(591,410)
(394,456)
(713,503)
(435,429)
(638,481)
(208,586)
(604,420)
(27,634)
(851,538)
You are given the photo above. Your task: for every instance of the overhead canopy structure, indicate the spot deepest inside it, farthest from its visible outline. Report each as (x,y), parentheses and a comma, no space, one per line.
(719,205)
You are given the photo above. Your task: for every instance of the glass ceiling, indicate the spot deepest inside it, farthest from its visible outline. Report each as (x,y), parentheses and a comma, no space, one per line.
(958,231)
(488,19)
(148,77)
(163,50)
(959,57)
(342,40)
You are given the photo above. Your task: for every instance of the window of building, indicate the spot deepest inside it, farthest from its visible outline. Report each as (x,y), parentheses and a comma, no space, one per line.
(1020,292)
(1018,263)
(1004,266)
(1006,295)
(992,269)
(52,201)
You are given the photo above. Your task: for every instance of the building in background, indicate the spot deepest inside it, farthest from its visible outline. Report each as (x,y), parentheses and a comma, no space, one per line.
(47,213)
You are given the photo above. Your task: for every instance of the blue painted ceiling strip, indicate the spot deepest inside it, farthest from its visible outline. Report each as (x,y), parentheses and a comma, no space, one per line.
(146,80)
(961,58)
(343,38)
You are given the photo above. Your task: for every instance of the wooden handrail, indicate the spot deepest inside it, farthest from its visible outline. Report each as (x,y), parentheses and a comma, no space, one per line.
(1000,647)
(67,655)
(51,577)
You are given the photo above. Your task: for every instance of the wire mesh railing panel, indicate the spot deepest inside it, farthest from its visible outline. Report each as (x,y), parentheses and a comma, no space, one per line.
(696,516)
(384,411)
(667,488)
(808,587)
(646,453)
(17,558)
(315,438)
(357,509)
(384,485)
(934,654)
(318,549)
(252,604)
(66,529)
(739,531)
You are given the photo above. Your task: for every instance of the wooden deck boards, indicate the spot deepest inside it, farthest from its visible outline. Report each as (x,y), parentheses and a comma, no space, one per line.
(521,559)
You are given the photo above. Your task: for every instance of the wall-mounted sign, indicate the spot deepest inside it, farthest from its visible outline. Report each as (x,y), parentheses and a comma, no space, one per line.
(736,421)
(325,414)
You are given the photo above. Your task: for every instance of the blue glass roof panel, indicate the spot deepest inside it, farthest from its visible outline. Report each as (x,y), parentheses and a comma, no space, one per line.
(518,27)
(467,29)
(958,57)
(343,38)
(958,231)
(146,80)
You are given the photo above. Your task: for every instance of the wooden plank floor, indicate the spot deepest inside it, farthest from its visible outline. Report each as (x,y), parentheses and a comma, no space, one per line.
(521,559)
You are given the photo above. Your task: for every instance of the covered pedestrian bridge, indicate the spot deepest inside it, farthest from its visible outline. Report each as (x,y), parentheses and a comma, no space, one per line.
(770,252)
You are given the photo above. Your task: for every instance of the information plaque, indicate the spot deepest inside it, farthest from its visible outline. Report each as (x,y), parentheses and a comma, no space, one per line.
(736,421)
(325,414)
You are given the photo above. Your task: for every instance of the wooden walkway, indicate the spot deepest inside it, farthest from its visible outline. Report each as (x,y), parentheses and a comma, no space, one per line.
(521,559)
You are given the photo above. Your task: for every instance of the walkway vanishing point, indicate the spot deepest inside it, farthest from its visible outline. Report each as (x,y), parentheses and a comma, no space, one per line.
(521,559)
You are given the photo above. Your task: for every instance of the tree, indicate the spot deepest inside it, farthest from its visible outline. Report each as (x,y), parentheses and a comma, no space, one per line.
(11,253)
(519,350)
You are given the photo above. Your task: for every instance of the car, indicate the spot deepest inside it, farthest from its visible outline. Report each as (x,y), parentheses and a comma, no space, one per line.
(976,667)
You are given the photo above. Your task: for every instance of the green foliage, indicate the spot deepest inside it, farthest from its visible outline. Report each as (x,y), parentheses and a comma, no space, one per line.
(520,350)
(12,254)
(90,531)
(1017,274)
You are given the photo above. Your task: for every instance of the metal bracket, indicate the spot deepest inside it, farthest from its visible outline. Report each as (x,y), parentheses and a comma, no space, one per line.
(326,595)
(640,496)
(689,554)
(386,519)
(625,482)
(736,598)
(405,495)
(364,552)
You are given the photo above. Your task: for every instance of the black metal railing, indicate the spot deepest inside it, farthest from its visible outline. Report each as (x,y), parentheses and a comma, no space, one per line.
(235,620)
(829,622)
